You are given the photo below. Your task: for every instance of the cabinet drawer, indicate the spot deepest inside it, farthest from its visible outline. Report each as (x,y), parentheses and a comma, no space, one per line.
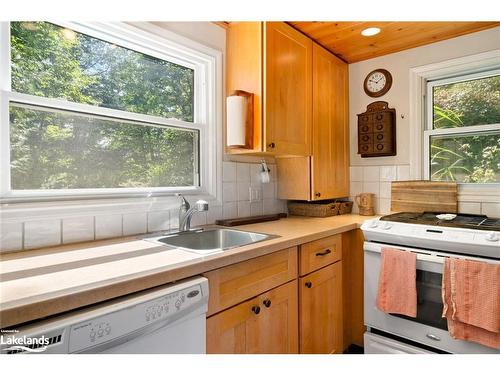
(319,253)
(233,284)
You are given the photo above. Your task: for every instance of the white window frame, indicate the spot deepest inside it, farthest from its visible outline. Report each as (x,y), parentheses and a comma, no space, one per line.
(418,78)
(151,40)
(473,129)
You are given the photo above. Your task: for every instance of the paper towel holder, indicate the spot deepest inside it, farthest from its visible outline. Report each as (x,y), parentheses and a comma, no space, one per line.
(248,125)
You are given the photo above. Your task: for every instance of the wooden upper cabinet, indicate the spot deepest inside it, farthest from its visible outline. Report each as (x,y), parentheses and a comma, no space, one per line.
(265,324)
(288,85)
(325,174)
(320,306)
(330,159)
(273,61)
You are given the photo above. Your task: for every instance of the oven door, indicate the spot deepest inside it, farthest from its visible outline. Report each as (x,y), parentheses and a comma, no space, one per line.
(428,327)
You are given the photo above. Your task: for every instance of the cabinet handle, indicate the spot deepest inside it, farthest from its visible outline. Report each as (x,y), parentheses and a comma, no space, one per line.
(323,253)
(267,302)
(318,194)
(256,310)
(308,284)
(271,145)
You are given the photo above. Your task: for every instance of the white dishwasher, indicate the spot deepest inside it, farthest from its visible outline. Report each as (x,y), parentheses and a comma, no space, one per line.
(166,319)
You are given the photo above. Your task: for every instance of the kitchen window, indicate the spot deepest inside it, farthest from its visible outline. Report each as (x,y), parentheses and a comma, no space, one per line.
(103,109)
(462,135)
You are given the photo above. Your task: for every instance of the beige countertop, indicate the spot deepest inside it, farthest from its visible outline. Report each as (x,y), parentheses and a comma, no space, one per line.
(39,283)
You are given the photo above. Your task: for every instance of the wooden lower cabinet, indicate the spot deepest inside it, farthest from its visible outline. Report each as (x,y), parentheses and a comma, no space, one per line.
(320,304)
(267,323)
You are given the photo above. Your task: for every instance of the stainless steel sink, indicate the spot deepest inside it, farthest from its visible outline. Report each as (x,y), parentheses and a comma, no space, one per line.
(211,239)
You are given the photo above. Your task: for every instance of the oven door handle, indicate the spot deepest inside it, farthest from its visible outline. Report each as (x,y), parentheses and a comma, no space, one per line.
(423,254)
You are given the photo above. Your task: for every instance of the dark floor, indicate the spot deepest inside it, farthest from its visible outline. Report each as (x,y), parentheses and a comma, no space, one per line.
(354,349)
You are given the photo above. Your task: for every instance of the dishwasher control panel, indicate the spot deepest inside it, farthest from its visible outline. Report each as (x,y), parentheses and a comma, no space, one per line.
(114,322)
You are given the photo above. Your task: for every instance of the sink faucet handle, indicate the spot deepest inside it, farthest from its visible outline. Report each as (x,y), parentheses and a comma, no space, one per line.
(184,203)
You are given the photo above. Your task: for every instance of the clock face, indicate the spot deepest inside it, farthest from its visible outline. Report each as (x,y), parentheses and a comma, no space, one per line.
(378,82)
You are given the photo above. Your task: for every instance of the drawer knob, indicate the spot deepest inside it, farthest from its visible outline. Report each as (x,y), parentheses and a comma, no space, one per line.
(256,310)
(271,145)
(323,253)
(308,284)
(267,302)
(318,194)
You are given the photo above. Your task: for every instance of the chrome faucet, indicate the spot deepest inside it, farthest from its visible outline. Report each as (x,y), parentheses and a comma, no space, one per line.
(186,212)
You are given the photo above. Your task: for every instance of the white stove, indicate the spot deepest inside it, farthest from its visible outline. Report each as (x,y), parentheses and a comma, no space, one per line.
(474,237)
(459,240)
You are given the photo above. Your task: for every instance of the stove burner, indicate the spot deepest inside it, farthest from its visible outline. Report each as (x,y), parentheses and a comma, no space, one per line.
(468,221)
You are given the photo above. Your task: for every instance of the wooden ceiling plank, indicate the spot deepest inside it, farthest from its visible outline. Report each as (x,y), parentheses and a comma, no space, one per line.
(409,42)
(345,40)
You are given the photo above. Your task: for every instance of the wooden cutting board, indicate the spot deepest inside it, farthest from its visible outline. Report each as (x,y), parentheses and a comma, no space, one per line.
(420,196)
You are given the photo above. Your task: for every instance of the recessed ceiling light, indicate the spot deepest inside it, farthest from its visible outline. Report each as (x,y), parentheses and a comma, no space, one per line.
(370,31)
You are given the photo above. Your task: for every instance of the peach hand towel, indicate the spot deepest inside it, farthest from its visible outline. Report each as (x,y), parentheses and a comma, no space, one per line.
(397,285)
(471,300)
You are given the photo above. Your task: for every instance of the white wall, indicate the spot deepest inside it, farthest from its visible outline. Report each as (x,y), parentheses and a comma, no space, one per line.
(368,174)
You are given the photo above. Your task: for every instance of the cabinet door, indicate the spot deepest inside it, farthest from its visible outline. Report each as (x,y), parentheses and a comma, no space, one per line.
(321,311)
(288,90)
(330,160)
(267,323)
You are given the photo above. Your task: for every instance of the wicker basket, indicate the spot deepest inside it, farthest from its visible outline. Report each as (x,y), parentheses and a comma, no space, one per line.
(345,208)
(317,209)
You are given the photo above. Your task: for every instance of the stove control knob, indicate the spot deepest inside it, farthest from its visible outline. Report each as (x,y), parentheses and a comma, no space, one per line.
(492,237)
(373,224)
(386,226)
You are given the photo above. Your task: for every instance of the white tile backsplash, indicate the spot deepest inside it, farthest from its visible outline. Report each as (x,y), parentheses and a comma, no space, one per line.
(256,208)
(135,223)
(469,207)
(385,190)
(384,206)
(237,178)
(42,233)
(230,210)
(108,226)
(77,229)
(243,191)
(388,173)
(228,171)
(229,192)
(158,220)
(403,172)
(356,187)
(243,172)
(356,174)
(372,187)
(243,209)
(214,213)
(490,209)
(11,236)
(376,180)
(269,191)
(371,174)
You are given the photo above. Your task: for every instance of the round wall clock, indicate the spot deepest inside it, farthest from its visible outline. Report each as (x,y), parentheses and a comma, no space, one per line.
(377,83)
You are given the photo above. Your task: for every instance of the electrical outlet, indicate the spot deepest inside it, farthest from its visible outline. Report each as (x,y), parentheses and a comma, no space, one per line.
(254,194)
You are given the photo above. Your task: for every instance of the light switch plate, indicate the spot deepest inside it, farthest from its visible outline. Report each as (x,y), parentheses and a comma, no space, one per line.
(254,194)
